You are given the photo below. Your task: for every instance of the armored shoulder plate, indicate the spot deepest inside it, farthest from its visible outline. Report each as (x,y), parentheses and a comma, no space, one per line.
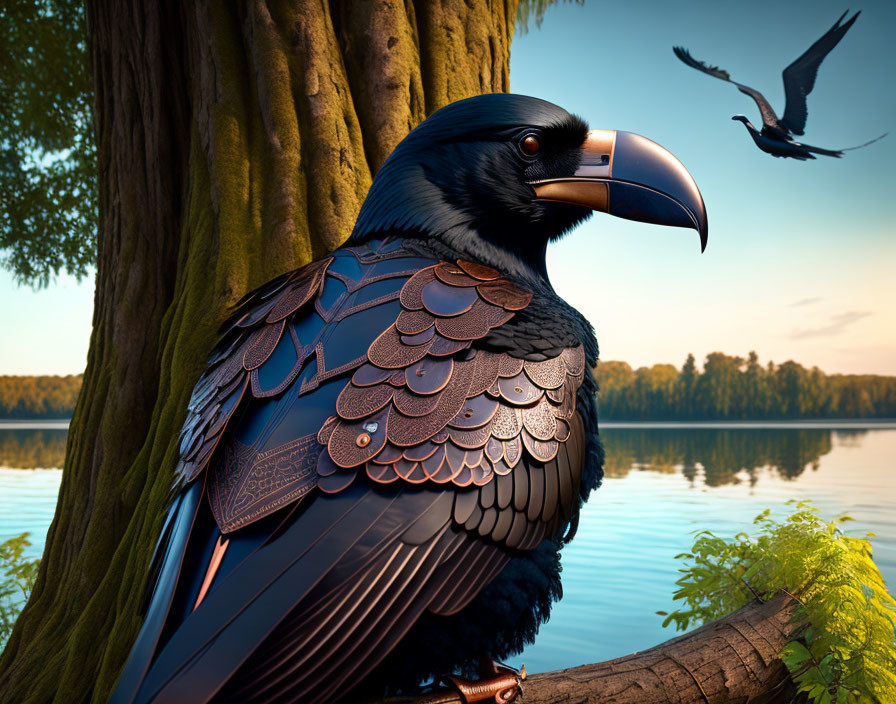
(429,406)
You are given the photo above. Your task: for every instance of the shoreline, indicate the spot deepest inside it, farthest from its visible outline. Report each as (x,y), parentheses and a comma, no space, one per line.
(819,423)
(809,424)
(34,424)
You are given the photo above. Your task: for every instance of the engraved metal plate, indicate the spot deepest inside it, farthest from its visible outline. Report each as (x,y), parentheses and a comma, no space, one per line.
(248,485)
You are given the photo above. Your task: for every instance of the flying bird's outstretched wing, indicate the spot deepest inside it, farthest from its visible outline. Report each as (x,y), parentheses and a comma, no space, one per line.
(714,71)
(428,458)
(799,77)
(769,118)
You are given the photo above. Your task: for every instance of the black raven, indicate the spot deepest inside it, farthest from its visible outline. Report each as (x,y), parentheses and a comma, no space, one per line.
(776,136)
(389,445)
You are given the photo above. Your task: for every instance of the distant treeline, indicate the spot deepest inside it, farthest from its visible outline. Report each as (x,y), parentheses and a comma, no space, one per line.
(728,388)
(38,396)
(737,388)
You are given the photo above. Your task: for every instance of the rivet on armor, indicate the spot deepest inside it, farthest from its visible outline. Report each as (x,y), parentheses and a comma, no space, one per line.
(363,440)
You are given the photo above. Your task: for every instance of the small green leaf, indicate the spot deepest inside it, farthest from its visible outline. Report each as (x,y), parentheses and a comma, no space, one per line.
(794,655)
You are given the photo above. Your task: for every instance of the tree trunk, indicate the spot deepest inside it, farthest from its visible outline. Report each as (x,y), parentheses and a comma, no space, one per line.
(734,660)
(236,141)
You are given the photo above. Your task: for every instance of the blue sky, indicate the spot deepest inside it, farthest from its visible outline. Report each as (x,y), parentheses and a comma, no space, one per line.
(800,261)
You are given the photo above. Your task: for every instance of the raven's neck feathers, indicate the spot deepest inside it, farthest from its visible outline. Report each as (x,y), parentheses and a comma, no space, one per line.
(459,242)
(543,329)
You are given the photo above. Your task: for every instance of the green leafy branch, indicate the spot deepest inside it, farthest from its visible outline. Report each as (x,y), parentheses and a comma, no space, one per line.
(48,158)
(846,649)
(17,575)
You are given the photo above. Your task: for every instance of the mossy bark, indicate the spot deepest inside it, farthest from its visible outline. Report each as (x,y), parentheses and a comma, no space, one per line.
(236,141)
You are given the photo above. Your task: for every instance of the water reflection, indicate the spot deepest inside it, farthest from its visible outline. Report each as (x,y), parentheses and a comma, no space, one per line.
(22,448)
(723,454)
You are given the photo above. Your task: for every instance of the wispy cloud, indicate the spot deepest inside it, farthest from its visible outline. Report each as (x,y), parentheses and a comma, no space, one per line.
(835,325)
(804,302)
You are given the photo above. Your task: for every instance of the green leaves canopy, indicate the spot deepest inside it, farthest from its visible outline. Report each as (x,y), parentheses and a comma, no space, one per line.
(48,193)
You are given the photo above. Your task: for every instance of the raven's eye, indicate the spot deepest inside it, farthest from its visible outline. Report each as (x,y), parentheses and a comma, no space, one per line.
(529,145)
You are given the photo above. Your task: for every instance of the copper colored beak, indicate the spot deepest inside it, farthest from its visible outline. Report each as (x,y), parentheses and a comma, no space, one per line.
(629,176)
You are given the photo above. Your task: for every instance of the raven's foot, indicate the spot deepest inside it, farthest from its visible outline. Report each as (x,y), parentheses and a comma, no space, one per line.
(497,683)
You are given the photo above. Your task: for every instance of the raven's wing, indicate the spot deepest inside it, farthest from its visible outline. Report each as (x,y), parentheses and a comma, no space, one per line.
(437,562)
(799,77)
(321,600)
(248,340)
(233,367)
(318,606)
(769,118)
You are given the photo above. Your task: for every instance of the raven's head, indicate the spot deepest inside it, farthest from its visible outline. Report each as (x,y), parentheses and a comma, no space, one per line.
(498,176)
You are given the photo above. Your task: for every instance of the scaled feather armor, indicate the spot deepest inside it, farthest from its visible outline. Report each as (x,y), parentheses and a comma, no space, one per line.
(423,405)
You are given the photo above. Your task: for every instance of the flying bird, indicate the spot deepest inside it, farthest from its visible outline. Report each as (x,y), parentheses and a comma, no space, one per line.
(390,445)
(776,135)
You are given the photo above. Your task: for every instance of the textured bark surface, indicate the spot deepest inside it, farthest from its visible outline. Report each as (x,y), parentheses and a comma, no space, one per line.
(734,660)
(236,141)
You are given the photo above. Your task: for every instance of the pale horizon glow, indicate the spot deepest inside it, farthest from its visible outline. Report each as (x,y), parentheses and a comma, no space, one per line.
(800,259)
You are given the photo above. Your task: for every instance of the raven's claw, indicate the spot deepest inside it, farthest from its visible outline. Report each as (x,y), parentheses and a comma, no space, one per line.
(498,683)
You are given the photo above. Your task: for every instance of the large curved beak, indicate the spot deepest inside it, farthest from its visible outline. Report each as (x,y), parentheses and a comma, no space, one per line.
(632,177)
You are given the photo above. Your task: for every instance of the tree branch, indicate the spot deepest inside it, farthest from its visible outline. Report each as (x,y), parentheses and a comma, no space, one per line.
(734,660)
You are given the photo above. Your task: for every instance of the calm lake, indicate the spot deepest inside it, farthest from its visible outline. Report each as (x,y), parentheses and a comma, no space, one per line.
(662,484)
